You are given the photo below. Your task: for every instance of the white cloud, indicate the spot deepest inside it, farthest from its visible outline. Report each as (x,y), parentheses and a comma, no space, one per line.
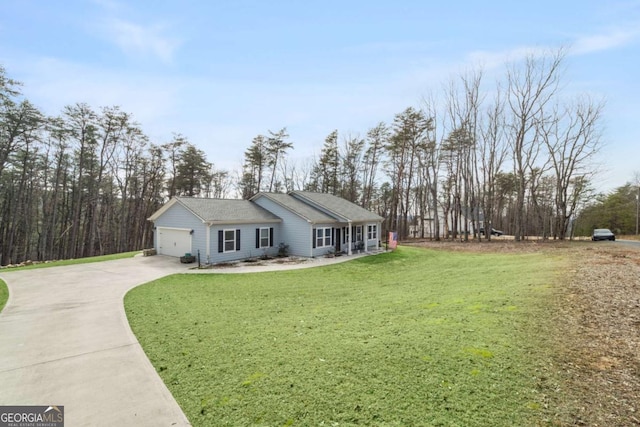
(489,60)
(578,46)
(150,39)
(599,42)
(136,39)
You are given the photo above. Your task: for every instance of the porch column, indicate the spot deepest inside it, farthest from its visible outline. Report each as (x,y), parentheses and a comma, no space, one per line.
(365,237)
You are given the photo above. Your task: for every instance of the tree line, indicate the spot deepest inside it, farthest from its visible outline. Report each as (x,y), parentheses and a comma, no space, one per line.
(619,211)
(84,182)
(518,155)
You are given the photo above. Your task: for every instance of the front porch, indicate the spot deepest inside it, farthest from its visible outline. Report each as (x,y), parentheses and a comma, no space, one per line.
(356,238)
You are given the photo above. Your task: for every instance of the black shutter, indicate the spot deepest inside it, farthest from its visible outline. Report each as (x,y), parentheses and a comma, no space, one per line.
(237,240)
(220,241)
(271,236)
(257,238)
(313,237)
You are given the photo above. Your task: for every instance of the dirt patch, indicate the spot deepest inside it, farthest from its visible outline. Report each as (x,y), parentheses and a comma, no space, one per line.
(602,321)
(598,329)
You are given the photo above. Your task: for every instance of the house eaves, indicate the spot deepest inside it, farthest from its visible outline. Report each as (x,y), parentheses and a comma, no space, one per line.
(241,222)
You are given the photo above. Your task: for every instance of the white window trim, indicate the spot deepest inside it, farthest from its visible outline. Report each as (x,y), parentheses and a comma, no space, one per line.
(321,234)
(224,240)
(268,237)
(372,231)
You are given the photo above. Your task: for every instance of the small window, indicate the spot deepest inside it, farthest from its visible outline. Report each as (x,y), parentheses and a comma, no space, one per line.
(229,240)
(372,231)
(323,237)
(265,238)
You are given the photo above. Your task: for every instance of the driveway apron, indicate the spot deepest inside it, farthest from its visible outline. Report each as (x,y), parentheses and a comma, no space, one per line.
(65,340)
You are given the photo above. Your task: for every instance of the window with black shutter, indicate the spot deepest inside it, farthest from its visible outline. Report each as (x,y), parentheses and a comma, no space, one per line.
(228,240)
(264,237)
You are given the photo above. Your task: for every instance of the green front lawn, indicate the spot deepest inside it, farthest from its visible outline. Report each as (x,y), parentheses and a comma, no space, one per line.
(411,338)
(4,294)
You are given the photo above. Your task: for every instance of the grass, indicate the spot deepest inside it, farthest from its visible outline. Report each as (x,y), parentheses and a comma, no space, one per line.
(4,294)
(77,261)
(414,337)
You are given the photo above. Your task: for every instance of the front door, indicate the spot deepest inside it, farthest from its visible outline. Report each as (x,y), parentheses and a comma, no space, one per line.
(338,240)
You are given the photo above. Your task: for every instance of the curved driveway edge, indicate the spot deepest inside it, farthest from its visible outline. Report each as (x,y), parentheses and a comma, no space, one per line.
(65,340)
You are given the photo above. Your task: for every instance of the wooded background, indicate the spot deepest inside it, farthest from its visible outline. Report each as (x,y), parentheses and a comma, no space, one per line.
(520,156)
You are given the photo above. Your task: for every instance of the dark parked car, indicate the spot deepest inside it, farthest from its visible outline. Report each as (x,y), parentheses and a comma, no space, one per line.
(602,234)
(494,232)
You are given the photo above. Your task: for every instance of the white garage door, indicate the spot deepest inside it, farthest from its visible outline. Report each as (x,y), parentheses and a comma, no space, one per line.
(174,242)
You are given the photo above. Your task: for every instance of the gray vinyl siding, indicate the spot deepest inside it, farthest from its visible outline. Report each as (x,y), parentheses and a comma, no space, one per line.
(177,216)
(247,242)
(296,231)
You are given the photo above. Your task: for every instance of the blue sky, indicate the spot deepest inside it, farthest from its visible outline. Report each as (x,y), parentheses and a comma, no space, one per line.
(221,73)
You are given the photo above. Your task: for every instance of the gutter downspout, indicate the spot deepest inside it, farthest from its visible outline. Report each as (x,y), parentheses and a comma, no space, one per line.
(208,240)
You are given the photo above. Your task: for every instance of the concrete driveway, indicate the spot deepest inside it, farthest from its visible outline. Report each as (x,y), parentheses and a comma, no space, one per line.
(65,340)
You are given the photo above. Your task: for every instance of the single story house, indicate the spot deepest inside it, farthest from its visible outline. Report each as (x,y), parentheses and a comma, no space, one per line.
(221,230)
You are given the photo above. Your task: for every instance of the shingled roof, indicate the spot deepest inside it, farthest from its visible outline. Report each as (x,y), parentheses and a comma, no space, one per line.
(336,206)
(313,207)
(222,211)
(298,207)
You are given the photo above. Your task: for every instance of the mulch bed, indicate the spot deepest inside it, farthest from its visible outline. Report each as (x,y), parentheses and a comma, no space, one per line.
(258,262)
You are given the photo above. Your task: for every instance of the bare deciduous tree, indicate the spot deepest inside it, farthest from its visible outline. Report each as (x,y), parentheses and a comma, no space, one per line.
(572,138)
(531,87)
(492,151)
